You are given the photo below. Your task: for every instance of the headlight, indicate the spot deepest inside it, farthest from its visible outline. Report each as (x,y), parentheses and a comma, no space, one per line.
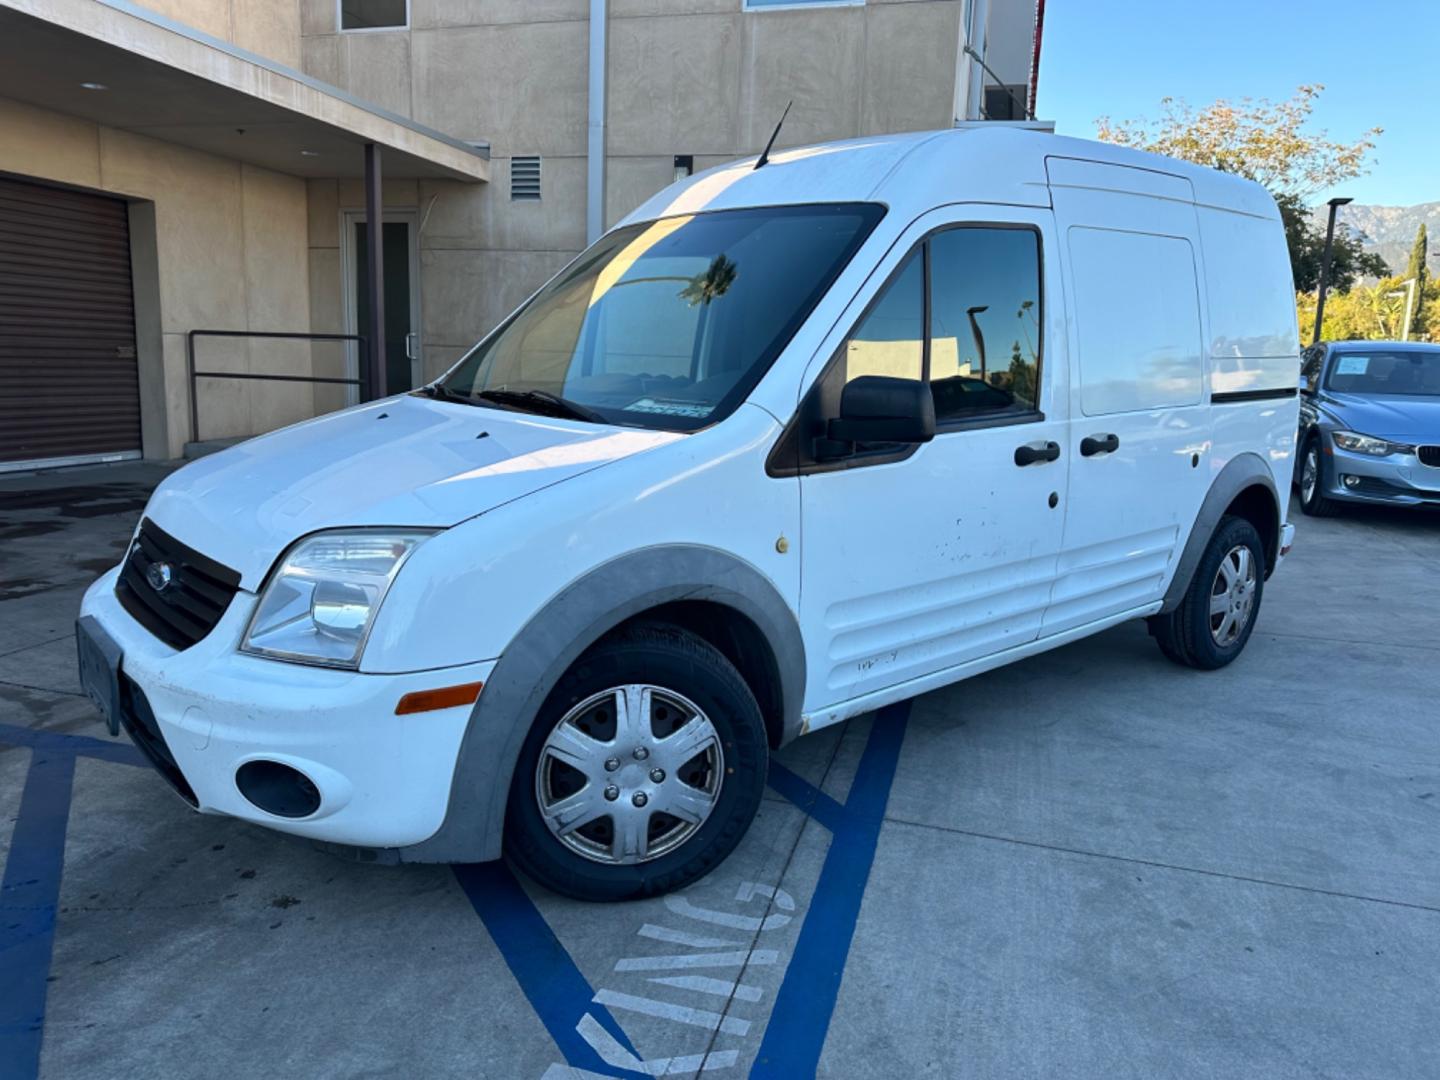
(322,599)
(1368,444)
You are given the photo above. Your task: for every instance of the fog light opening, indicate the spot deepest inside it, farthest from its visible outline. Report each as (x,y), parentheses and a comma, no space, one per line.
(278,789)
(1350,481)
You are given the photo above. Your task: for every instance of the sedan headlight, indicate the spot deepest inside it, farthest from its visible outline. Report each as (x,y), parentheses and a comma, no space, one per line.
(321,600)
(1368,444)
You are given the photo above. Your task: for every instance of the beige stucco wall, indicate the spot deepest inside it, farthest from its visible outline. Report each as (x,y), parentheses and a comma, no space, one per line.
(268,27)
(699,77)
(230,242)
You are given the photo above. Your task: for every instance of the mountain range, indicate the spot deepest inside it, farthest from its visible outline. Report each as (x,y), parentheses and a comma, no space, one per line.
(1390,230)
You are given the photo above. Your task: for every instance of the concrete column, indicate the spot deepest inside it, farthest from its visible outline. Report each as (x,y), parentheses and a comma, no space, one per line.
(595,144)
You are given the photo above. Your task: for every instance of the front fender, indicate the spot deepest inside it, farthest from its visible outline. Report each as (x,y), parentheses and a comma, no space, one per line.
(554,638)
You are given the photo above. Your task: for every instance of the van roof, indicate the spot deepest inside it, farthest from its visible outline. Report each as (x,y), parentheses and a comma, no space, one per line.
(914,172)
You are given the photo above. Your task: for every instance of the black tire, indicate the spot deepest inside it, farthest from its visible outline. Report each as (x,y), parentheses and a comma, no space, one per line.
(1317,505)
(1184,635)
(671,658)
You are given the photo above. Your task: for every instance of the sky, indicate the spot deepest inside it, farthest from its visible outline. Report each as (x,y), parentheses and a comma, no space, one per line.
(1377,61)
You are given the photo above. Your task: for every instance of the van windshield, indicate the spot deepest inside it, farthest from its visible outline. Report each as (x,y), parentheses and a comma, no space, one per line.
(667,324)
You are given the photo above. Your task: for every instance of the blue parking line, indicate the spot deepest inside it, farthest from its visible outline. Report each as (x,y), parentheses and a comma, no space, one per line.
(100,749)
(806,796)
(29,895)
(554,986)
(800,1020)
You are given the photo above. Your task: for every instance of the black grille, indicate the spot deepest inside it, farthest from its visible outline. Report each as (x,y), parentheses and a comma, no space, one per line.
(1429,455)
(189,606)
(138,720)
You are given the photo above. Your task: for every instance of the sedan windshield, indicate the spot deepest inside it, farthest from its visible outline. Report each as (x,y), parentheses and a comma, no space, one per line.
(667,324)
(1412,372)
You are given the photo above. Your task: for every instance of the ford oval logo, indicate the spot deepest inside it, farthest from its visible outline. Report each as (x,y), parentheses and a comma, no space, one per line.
(159,575)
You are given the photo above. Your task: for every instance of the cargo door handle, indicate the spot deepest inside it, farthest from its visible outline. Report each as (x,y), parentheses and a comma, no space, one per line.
(1036,453)
(1099,444)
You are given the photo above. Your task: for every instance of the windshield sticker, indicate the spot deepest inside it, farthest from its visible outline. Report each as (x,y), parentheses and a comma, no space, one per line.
(1352,365)
(698,410)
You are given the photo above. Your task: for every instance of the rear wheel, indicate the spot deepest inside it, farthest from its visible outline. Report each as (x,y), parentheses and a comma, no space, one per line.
(642,772)
(1312,485)
(1214,619)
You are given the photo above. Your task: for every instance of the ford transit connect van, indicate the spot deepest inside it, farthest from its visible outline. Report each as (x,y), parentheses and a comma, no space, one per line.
(786,445)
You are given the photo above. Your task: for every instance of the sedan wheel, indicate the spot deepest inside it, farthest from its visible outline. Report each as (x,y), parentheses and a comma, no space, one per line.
(1313,500)
(1309,474)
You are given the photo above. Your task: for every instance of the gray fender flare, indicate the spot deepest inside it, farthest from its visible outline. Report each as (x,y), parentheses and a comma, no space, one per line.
(572,621)
(1242,471)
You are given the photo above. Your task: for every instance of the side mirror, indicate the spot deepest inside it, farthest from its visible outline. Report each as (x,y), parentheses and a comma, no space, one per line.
(881,409)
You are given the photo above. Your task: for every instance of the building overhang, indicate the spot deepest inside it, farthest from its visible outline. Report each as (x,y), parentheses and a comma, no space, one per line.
(161,78)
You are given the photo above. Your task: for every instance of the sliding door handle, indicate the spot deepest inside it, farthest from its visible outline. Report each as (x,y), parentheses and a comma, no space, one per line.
(1099,444)
(1036,453)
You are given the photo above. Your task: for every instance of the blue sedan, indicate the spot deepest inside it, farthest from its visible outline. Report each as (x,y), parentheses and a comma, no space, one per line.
(1369,425)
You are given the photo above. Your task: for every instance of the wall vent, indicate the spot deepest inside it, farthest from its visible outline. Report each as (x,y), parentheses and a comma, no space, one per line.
(524,179)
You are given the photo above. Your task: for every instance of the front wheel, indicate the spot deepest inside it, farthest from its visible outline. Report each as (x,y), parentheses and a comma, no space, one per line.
(1214,619)
(1312,489)
(643,769)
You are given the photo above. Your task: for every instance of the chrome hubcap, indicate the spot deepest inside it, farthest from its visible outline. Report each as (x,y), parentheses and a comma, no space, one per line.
(629,774)
(1309,474)
(1232,596)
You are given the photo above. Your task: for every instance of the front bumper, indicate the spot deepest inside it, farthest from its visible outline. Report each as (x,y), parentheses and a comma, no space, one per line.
(383,780)
(1397,480)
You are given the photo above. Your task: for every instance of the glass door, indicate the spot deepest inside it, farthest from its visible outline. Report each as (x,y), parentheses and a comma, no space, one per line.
(403,369)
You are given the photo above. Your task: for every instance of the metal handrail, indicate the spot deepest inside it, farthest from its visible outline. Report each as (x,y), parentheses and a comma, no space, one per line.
(190,337)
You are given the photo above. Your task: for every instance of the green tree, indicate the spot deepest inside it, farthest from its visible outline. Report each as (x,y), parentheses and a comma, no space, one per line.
(1371,312)
(1420,272)
(1416,269)
(1270,143)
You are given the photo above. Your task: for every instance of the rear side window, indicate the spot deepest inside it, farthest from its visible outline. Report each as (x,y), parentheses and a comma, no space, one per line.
(1137,313)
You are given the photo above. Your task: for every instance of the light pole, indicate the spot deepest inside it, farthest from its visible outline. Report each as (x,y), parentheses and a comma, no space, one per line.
(1334,205)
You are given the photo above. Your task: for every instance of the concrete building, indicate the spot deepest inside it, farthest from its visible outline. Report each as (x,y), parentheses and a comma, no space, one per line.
(200,166)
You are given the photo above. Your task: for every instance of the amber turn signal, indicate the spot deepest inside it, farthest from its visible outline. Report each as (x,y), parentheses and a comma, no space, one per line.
(445,698)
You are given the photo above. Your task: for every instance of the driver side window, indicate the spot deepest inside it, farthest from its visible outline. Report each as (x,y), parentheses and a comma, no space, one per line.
(962,312)
(984,322)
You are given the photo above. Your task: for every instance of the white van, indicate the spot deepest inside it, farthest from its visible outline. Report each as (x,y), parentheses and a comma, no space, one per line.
(786,445)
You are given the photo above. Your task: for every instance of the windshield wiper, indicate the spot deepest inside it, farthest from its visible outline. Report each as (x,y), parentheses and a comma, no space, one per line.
(551,404)
(444,393)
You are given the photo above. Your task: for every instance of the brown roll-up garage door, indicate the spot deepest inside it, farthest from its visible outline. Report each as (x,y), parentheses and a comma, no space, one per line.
(69,386)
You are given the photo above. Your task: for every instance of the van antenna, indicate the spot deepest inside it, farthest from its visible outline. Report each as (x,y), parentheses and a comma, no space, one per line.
(764,158)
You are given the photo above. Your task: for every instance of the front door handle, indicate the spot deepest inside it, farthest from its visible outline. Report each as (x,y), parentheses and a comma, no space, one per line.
(1099,444)
(1036,453)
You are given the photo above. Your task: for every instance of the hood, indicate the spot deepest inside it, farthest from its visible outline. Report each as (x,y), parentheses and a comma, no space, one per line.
(405,461)
(1401,417)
